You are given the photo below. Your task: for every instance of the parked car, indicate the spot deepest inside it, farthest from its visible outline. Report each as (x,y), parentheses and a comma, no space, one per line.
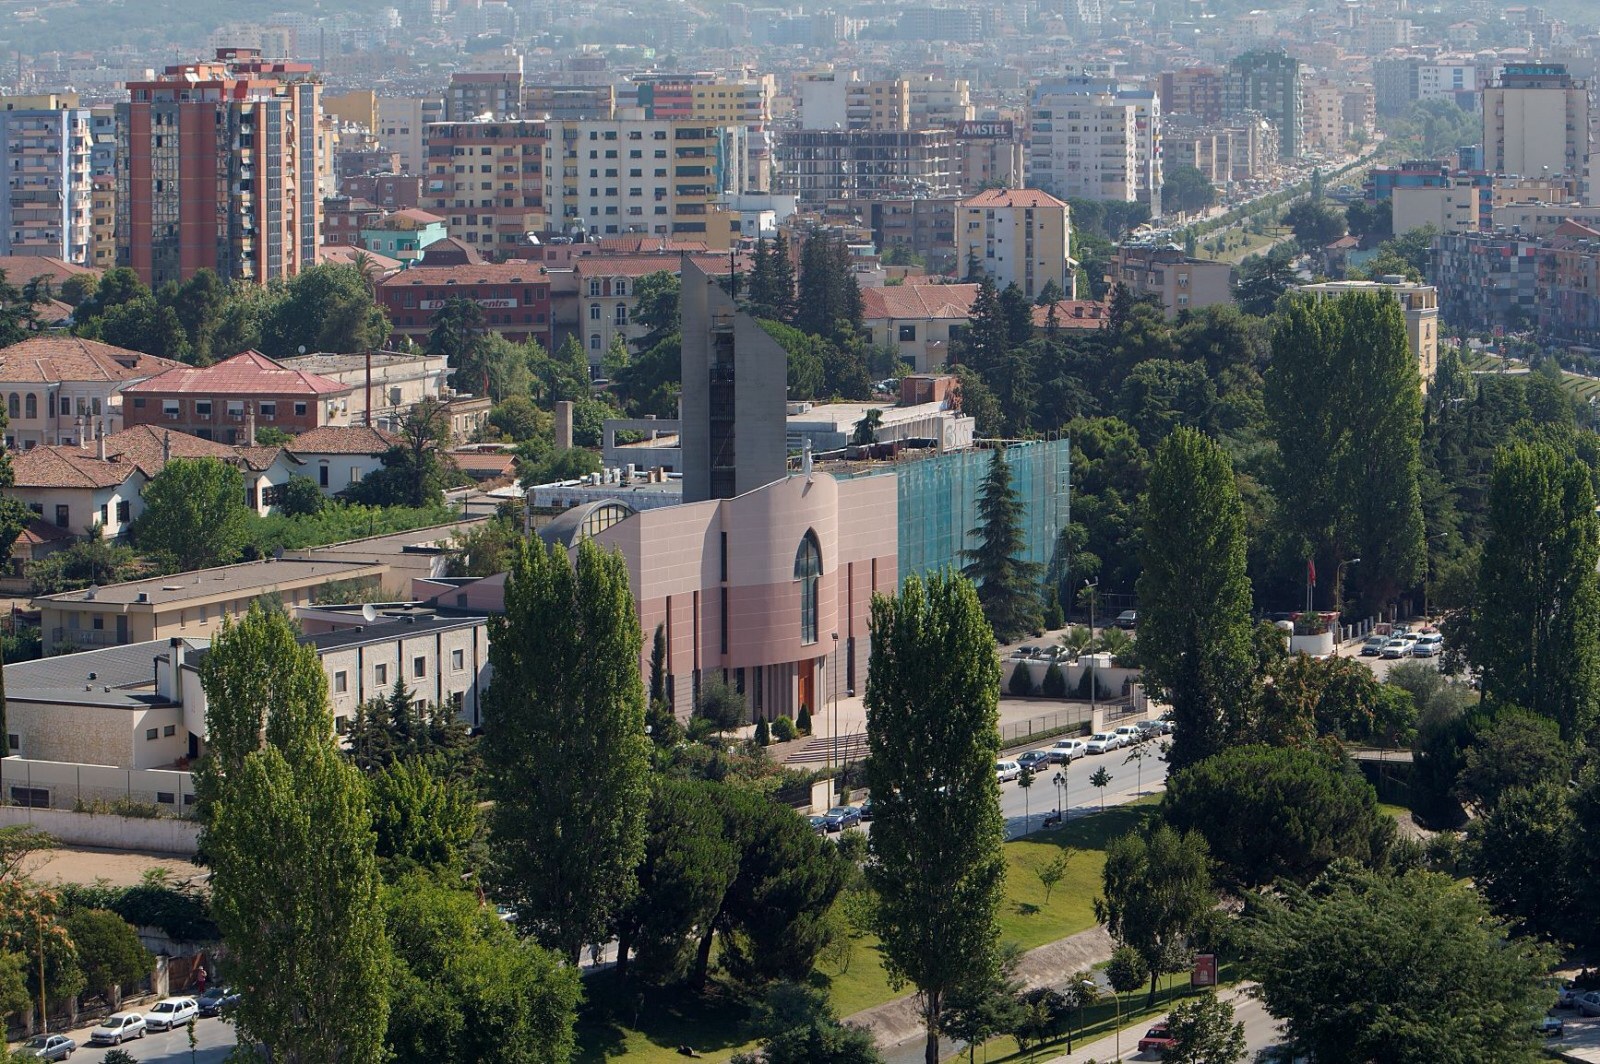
(1395,648)
(842,816)
(1589,1004)
(1427,645)
(866,811)
(1128,619)
(1006,771)
(218,998)
(1373,646)
(117,1028)
(1131,734)
(1066,751)
(1551,1027)
(1103,743)
(1567,996)
(1157,1039)
(171,1012)
(49,1047)
(1034,760)
(1024,652)
(819,824)
(1149,729)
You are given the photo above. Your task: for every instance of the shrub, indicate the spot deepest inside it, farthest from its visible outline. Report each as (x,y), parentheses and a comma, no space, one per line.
(1055,684)
(763,736)
(803,722)
(783,730)
(1021,684)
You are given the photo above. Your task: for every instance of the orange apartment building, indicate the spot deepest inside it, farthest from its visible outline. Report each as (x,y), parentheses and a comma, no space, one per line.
(218,167)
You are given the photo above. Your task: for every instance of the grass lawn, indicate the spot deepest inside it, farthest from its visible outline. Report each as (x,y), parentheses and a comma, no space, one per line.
(612,1026)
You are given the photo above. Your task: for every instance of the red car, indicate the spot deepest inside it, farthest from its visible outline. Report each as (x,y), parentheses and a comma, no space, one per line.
(1156,1039)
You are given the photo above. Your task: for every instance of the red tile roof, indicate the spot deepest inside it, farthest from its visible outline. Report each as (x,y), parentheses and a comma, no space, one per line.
(918,301)
(249,373)
(472,273)
(39,532)
(143,448)
(1074,314)
(345,254)
(640,265)
(66,467)
(334,439)
(1013,197)
(20,269)
(48,359)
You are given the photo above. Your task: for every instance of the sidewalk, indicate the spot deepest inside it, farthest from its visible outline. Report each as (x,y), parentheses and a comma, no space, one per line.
(1260,1031)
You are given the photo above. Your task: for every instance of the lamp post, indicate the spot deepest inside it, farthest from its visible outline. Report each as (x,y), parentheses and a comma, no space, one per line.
(1338,584)
(1094,592)
(1060,780)
(836,700)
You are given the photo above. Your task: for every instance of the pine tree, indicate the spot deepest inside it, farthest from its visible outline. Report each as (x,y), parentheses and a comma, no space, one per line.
(1194,595)
(566,750)
(1534,633)
(783,283)
(1008,585)
(932,699)
(987,338)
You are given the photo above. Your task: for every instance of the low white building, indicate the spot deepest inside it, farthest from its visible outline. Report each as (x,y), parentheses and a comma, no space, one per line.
(337,457)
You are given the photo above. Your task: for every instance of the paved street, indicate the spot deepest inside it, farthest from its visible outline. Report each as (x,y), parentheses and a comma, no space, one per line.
(1129,780)
(1260,1031)
(215,1037)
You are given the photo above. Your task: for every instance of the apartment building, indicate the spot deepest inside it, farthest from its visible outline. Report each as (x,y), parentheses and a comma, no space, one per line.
(384,385)
(632,175)
(1097,140)
(839,100)
(1419,302)
(487,179)
(922,225)
(475,94)
(402,122)
(823,166)
(103,223)
(1336,113)
(219,166)
(1536,122)
(1017,236)
(514,296)
(1269,82)
(45,147)
(988,154)
(940,102)
(1569,285)
(57,387)
(607,290)
(569,103)
(1198,92)
(1162,270)
(227,401)
(1487,281)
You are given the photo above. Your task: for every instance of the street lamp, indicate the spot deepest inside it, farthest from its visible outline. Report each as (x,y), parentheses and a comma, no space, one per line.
(1338,583)
(1094,592)
(1061,782)
(835,761)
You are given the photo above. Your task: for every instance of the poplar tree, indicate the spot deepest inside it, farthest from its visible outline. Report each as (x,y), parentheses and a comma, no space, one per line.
(1008,584)
(932,704)
(294,884)
(1194,595)
(1534,633)
(566,749)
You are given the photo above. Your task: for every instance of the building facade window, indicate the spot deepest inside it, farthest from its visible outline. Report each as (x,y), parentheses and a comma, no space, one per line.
(808,570)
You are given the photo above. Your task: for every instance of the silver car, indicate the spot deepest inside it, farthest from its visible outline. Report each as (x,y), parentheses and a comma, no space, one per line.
(49,1047)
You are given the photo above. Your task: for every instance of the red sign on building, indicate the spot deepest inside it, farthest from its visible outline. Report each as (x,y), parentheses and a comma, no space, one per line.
(1205,970)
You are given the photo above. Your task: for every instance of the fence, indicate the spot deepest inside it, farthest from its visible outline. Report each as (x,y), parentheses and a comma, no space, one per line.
(1019,732)
(149,793)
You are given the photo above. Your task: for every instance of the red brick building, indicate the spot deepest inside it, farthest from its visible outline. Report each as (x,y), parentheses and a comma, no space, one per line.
(225,401)
(515,298)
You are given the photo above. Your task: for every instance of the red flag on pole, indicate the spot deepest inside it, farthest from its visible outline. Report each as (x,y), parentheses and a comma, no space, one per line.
(1311,571)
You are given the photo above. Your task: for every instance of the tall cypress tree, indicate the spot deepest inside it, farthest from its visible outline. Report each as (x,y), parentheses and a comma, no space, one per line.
(782,279)
(295,880)
(933,691)
(566,749)
(1194,595)
(1535,628)
(1008,585)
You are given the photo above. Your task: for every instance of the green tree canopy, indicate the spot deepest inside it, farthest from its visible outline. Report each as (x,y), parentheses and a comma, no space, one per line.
(1007,583)
(932,697)
(109,952)
(1156,894)
(194,514)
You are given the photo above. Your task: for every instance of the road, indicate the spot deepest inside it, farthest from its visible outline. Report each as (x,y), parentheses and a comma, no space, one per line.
(1129,780)
(1260,1031)
(215,1040)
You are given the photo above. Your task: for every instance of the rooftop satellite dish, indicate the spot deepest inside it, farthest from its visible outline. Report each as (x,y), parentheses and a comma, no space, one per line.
(368,613)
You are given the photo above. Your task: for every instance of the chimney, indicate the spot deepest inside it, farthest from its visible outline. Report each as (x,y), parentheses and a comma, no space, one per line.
(100,436)
(250,427)
(83,429)
(564,411)
(166,446)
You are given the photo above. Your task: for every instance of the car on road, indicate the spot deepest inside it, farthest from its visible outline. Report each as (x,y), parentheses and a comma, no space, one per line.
(866,811)
(1427,645)
(1006,771)
(171,1012)
(1395,648)
(1034,760)
(1589,1004)
(1103,743)
(819,824)
(1551,1027)
(1157,1039)
(117,1028)
(49,1047)
(1567,996)
(842,816)
(1024,652)
(1132,734)
(218,998)
(1066,751)
(1373,646)
(1128,619)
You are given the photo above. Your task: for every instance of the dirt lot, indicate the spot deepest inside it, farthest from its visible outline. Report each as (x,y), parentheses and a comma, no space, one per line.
(120,868)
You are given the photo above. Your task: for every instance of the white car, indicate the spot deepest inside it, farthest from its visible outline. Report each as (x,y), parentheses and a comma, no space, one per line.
(171,1012)
(1103,743)
(1066,751)
(1006,771)
(1395,648)
(117,1028)
(1131,735)
(1427,645)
